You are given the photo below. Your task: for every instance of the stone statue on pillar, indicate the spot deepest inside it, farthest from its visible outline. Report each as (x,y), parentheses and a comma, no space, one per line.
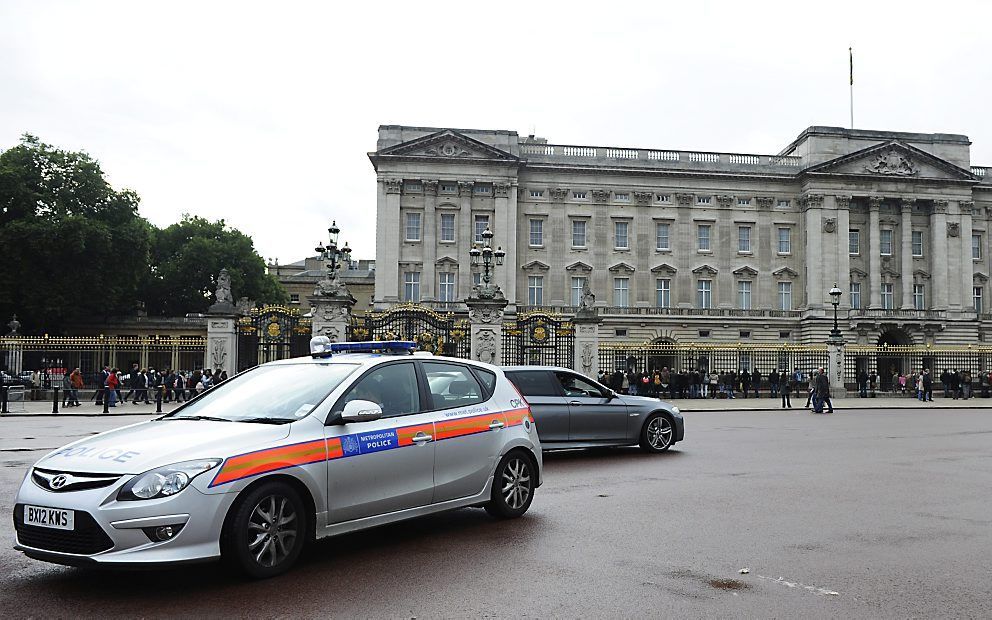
(14,325)
(222,336)
(223,299)
(586,322)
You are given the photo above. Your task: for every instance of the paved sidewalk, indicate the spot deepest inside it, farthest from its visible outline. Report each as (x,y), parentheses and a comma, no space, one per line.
(87,408)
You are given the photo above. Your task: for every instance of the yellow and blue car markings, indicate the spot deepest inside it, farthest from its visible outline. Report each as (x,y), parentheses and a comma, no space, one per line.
(356,444)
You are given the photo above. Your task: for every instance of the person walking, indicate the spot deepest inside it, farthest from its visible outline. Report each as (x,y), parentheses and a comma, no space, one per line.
(133,379)
(785,388)
(823,392)
(919,386)
(76,380)
(966,384)
(66,390)
(811,393)
(773,380)
(745,381)
(863,383)
(181,385)
(102,387)
(113,382)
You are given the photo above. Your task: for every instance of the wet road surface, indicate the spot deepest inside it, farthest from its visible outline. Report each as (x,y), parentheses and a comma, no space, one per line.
(855,514)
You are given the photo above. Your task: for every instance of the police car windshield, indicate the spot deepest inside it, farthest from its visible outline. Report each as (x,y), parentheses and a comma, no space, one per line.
(282,392)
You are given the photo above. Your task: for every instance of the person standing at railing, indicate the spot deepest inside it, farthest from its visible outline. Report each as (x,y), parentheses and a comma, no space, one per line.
(785,387)
(927,386)
(76,381)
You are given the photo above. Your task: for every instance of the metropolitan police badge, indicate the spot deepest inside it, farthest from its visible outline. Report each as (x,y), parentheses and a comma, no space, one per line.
(349,445)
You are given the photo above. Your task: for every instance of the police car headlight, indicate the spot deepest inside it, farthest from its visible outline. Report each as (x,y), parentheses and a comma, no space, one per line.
(675,410)
(165,481)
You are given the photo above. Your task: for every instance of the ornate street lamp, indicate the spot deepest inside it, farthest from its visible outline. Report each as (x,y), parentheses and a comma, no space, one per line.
(835,294)
(335,258)
(487,258)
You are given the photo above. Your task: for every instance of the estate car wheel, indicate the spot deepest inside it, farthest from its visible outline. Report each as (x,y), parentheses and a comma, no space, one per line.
(657,434)
(266,532)
(513,486)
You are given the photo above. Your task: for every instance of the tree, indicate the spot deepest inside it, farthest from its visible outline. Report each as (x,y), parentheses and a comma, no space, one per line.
(73,248)
(188,256)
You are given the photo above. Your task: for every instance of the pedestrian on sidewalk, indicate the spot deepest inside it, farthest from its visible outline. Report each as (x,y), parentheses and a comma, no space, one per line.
(714,384)
(133,379)
(863,383)
(919,387)
(102,386)
(111,388)
(786,387)
(773,380)
(756,382)
(927,386)
(966,384)
(66,390)
(76,380)
(823,392)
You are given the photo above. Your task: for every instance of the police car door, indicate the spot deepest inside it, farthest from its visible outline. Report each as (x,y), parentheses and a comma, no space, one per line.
(468,426)
(387,464)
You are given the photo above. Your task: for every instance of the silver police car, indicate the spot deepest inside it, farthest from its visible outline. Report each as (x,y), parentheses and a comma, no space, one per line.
(573,411)
(355,436)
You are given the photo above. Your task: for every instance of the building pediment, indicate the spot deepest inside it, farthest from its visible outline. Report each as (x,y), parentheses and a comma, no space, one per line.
(892,159)
(785,272)
(858,274)
(745,271)
(447,261)
(664,268)
(980,277)
(621,268)
(919,274)
(579,266)
(446,144)
(535,265)
(705,270)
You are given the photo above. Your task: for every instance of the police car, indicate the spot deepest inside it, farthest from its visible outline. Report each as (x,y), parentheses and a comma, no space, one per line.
(355,436)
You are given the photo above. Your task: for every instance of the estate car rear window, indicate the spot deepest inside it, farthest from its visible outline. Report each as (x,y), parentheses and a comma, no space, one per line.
(533,382)
(452,385)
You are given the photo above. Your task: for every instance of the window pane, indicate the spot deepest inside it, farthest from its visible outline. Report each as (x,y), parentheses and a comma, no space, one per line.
(579,233)
(663,288)
(451,385)
(785,295)
(535,290)
(854,242)
(885,241)
(576,386)
(537,232)
(411,286)
(413,227)
(620,235)
(481,224)
(704,293)
(917,243)
(393,387)
(447,227)
(784,240)
(533,383)
(744,239)
(621,292)
(744,294)
(578,286)
(976,247)
(855,294)
(663,232)
(703,235)
(446,287)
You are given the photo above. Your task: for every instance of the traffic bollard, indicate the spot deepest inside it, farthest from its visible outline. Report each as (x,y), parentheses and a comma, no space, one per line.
(3,398)
(106,403)
(55,399)
(158,400)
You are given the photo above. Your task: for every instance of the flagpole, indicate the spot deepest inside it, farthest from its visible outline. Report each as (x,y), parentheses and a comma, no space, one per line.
(850,53)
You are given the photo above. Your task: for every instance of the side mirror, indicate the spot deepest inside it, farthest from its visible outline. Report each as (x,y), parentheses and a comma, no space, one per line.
(361,411)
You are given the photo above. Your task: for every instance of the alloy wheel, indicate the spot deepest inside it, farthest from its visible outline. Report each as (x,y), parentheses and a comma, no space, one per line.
(272,530)
(659,433)
(516,483)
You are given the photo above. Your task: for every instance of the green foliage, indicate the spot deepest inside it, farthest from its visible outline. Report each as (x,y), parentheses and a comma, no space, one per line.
(74,249)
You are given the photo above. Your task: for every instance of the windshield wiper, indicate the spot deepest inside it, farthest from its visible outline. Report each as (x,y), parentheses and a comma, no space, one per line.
(266,420)
(197,417)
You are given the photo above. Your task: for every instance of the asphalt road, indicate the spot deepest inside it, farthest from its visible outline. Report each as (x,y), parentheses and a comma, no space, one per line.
(856,514)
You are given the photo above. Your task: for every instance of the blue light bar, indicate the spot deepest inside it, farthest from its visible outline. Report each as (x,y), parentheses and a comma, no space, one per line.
(372,347)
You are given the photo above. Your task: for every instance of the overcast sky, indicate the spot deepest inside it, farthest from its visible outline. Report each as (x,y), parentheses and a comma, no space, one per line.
(262,113)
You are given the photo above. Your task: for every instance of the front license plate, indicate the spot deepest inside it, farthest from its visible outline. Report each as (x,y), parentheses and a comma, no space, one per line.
(55,518)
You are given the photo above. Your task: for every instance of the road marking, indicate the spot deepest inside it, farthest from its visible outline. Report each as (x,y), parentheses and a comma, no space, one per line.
(796,584)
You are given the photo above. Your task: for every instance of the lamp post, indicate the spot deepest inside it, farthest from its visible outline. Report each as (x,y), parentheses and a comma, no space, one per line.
(835,294)
(337,256)
(487,258)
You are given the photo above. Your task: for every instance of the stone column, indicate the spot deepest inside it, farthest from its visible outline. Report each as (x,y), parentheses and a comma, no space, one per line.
(486,319)
(967,263)
(906,252)
(813,252)
(428,239)
(388,242)
(874,257)
(331,315)
(843,275)
(465,234)
(939,260)
(587,343)
(222,339)
(835,368)
(505,236)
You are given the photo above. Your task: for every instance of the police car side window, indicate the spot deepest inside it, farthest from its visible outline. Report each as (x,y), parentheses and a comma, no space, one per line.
(488,380)
(392,386)
(452,385)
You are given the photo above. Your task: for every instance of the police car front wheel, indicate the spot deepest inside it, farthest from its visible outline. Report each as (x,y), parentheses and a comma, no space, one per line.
(513,486)
(266,531)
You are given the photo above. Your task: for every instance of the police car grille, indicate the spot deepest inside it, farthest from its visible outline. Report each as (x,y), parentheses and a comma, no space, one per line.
(78,481)
(87,537)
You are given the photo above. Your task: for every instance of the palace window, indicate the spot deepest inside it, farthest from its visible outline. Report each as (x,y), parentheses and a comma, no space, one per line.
(855,294)
(887,301)
(703,200)
(918,299)
(447,227)
(662,234)
(744,239)
(784,204)
(536,233)
(976,247)
(885,242)
(854,242)
(413,227)
(664,197)
(579,233)
(621,292)
(446,287)
(663,288)
(704,294)
(703,237)
(578,287)
(537,193)
(917,243)
(785,241)
(620,240)
(743,202)
(412,186)
(476,279)
(294,298)
(976,298)
(535,290)
(621,196)
(744,294)
(481,224)
(579,195)
(449,188)
(785,295)
(482,188)
(411,286)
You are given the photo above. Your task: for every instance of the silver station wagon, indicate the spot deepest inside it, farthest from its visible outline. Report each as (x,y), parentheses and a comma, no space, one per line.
(573,411)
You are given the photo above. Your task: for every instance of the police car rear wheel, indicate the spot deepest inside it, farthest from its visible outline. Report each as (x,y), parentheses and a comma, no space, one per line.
(267,532)
(513,486)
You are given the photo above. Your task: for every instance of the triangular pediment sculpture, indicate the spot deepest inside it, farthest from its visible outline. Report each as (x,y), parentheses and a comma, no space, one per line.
(785,272)
(705,270)
(445,144)
(745,271)
(858,274)
(446,260)
(535,265)
(664,268)
(980,277)
(892,159)
(579,266)
(621,268)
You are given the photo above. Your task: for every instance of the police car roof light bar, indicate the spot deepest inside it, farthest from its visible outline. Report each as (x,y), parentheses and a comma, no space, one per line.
(392,346)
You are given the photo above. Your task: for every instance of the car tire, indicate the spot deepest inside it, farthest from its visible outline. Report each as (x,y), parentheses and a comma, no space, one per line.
(266,531)
(657,433)
(513,486)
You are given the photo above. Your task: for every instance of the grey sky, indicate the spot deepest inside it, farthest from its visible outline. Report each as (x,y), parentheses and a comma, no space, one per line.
(262,113)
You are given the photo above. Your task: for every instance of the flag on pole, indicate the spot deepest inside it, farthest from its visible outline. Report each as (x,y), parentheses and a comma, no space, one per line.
(850,53)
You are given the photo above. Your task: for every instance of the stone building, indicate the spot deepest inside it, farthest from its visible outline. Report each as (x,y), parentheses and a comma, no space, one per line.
(300,278)
(685,246)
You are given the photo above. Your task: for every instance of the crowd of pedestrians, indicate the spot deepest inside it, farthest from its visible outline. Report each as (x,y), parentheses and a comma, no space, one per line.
(699,383)
(143,384)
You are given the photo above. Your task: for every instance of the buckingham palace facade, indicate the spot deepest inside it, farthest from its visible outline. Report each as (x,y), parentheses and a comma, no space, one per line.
(686,246)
